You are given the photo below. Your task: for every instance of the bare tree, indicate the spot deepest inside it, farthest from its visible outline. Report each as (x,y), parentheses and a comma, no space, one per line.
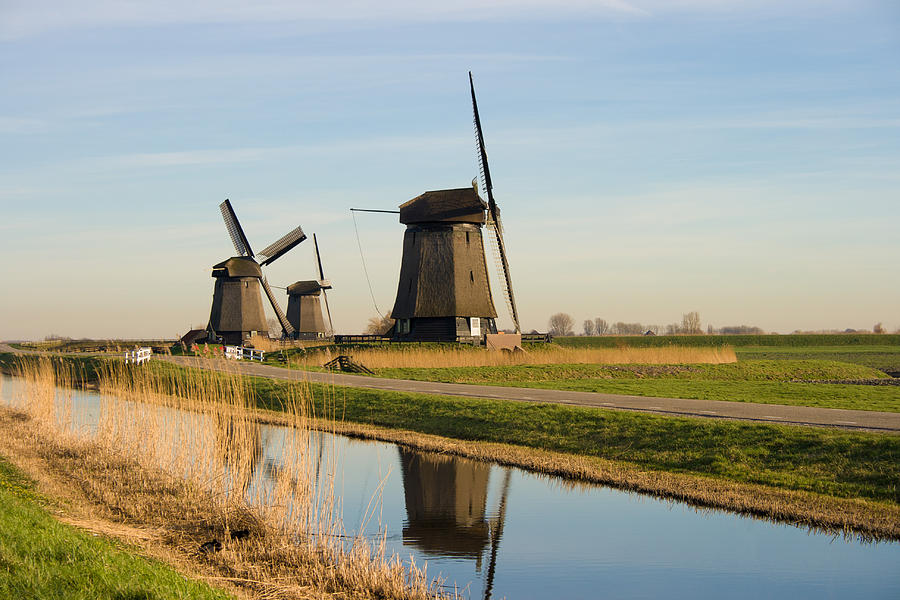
(673,329)
(622,328)
(878,328)
(588,327)
(561,324)
(601,326)
(379,325)
(690,323)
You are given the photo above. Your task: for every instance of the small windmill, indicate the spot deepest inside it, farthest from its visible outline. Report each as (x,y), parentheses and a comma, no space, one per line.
(304,310)
(237,309)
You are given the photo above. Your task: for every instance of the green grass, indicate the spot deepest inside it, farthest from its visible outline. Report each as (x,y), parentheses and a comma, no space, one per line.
(760,381)
(43,558)
(883,358)
(825,461)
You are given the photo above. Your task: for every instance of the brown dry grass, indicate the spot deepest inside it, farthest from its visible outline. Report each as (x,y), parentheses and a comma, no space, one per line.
(178,459)
(436,357)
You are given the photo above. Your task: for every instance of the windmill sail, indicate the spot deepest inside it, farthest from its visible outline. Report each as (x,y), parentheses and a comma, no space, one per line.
(493,212)
(286,326)
(241,244)
(285,243)
(323,282)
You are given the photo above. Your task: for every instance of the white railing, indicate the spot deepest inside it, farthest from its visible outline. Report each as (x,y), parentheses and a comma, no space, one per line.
(252,354)
(239,352)
(141,355)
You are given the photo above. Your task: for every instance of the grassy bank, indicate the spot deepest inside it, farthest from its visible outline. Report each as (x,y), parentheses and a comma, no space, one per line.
(788,382)
(43,558)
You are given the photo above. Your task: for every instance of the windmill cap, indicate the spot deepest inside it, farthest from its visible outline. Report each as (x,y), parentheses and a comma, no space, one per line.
(237,266)
(308,288)
(460,205)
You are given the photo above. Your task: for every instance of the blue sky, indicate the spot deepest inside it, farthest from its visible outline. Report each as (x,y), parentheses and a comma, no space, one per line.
(650,158)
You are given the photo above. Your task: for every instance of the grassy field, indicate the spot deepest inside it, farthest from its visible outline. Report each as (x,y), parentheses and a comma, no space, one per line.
(760,381)
(43,558)
(883,358)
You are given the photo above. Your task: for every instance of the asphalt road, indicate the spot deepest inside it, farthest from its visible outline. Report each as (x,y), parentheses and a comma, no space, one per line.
(713,409)
(744,411)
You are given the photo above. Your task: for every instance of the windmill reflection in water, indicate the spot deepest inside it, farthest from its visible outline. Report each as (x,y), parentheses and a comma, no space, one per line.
(446,508)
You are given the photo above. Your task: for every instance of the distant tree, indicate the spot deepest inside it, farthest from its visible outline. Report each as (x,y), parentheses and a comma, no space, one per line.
(601,326)
(561,324)
(710,329)
(878,328)
(673,329)
(379,325)
(589,327)
(622,328)
(740,330)
(690,323)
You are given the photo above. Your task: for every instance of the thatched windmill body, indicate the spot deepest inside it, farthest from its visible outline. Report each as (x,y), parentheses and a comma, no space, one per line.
(444,293)
(237,307)
(304,311)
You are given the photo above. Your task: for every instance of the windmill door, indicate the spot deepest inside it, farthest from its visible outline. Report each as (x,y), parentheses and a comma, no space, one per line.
(475,326)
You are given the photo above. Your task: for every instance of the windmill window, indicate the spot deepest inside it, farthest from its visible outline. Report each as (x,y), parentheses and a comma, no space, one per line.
(467,238)
(471,275)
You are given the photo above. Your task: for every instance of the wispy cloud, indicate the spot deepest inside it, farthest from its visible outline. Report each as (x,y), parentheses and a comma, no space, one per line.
(19,125)
(22,18)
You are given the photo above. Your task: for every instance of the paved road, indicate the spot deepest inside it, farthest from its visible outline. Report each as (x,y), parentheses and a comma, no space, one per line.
(745,411)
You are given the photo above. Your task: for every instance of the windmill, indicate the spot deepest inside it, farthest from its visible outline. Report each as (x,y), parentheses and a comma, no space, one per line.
(237,308)
(444,293)
(304,311)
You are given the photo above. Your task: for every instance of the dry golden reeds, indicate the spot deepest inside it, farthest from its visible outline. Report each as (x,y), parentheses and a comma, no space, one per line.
(197,433)
(452,356)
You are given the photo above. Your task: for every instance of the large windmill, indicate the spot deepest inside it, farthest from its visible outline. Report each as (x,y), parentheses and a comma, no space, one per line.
(304,311)
(444,293)
(237,308)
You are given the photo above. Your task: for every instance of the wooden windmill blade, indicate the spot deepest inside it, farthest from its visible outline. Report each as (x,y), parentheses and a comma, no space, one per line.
(494,212)
(278,248)
(286,326)
(324,283)
(241,244)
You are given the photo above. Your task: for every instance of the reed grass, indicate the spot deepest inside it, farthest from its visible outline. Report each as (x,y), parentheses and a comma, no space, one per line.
(459,356)
(167,439)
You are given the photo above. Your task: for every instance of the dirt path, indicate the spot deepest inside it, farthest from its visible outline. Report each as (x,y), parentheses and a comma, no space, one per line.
(768,413)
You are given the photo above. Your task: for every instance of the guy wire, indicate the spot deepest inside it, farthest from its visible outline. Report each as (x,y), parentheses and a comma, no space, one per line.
(365,270)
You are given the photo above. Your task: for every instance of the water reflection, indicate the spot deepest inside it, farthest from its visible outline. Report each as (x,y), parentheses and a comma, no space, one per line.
(446,503)
(446,498)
